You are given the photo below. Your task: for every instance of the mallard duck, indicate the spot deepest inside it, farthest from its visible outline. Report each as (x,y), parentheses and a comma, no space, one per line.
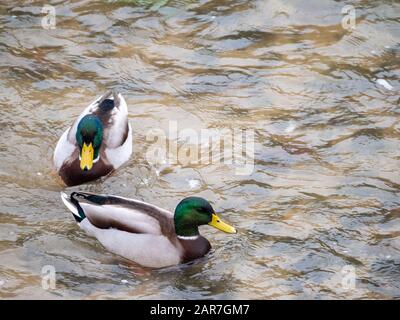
(98,142)
(141,232)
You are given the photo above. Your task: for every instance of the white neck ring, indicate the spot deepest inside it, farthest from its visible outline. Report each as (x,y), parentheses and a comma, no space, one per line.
(188,237)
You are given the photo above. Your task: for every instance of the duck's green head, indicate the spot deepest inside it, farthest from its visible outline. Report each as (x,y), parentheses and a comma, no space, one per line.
(193,212)
(89,136)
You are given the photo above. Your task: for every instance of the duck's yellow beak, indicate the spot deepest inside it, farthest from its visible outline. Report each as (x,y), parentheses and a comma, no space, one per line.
(87,155)
(216,222)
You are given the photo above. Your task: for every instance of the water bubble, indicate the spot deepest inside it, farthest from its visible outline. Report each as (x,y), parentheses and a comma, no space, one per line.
(291,127)
(193,183)
(384,84)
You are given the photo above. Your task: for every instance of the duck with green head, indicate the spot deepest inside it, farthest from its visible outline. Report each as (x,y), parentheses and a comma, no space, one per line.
(89,137)
(98,142)
(144,233)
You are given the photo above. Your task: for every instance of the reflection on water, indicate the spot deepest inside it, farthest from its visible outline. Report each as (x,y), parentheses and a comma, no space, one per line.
(324,193)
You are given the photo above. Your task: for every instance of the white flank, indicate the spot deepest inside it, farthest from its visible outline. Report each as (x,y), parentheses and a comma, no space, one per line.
(117,156)
(149,250)
(126,216)
(116,132)
(63,151)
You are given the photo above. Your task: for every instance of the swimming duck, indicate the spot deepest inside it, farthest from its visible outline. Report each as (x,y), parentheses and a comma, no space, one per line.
(141,232)
(98,142)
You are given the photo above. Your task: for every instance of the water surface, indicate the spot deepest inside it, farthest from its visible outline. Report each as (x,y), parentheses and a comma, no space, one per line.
(324,193)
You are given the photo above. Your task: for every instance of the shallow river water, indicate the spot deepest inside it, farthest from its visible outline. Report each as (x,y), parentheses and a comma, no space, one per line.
(317,215)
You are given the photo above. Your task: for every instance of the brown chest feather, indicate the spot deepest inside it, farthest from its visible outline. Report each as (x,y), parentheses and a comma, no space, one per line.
(72,174)
(194,249)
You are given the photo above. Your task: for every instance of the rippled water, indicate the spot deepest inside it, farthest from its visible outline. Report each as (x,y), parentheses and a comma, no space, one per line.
(324,193)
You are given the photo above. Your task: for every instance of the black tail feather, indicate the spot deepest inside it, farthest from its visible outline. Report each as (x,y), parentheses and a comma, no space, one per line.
(77,205)
(106,104)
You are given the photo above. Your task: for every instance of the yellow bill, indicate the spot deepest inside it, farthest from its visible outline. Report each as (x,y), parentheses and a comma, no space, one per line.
(216,222)
(87,155)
